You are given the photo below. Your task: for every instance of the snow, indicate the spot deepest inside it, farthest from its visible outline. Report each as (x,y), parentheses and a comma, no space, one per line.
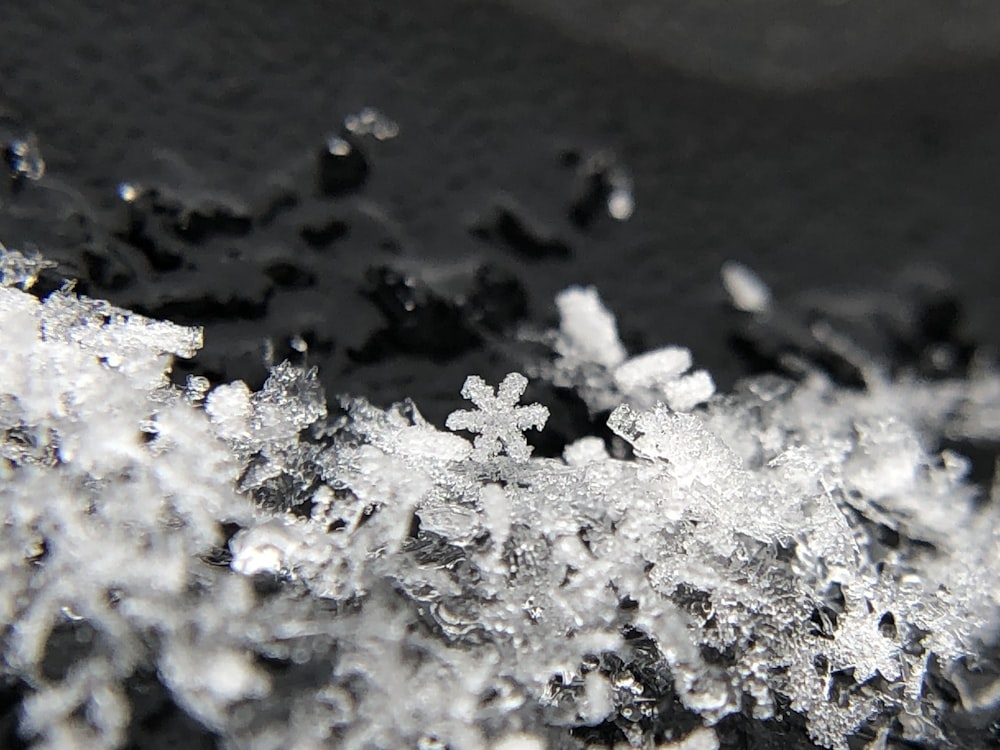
(587,330)
(440,594)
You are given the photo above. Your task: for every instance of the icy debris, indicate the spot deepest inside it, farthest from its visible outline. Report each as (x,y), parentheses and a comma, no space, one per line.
(212,679)
(261,550)
(621,202)
(588,332)
(24,158)
(692,452)
(20,269)
(229,408)
(196,387)
(592,359)
(291,400)
(498,421)
(87,710)
(689,391)
(661,373)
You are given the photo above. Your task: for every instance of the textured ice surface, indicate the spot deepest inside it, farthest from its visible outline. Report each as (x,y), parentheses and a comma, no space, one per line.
(298,575)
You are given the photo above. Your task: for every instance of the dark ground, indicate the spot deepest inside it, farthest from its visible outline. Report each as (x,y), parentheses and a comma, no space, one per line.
(222,111)
(845,186)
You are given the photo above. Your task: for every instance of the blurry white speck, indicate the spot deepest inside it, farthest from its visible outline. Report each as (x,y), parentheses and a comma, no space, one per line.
(128,192)
(746,290)
(370,121)
(621,204)
(519,742)
(338,146)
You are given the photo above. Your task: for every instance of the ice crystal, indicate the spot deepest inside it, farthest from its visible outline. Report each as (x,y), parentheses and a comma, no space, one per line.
(21,269)
(24,158)
(499,423)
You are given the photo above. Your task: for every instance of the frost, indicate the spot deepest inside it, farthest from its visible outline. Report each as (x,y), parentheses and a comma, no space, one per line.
(298,575)
(498,421)
(584,451)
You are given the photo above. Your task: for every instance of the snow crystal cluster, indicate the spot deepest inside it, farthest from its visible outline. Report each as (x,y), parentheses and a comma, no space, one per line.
(305,575)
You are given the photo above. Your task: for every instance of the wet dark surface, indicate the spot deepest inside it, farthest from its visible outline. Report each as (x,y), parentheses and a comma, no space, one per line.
(246,223)
(198,168)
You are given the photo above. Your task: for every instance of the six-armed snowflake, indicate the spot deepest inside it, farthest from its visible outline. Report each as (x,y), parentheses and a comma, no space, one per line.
(499,421)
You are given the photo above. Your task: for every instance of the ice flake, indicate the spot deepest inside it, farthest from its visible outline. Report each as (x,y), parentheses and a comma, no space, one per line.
(498,421)
(592,359)
(584,451)
(139,347)
(885,459)
(689,391)
(21,269)
(291,399)
(107,330)
(426,443)
(653,368)
(587,329)
(660,375)
(229,408)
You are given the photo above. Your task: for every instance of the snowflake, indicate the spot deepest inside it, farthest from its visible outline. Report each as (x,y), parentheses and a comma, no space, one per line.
(499,421)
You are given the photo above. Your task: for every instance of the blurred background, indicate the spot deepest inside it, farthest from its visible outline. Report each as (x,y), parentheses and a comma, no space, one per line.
(214,163)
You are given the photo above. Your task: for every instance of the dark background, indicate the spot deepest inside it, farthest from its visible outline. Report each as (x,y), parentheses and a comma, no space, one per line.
(826,144)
